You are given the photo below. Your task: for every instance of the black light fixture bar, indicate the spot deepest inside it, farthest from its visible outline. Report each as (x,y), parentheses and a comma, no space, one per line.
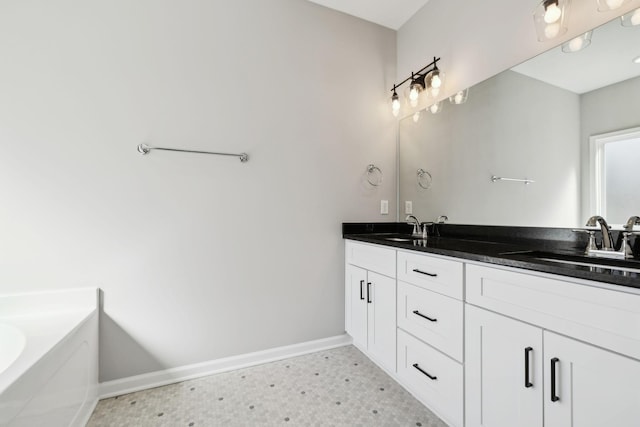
(419,75)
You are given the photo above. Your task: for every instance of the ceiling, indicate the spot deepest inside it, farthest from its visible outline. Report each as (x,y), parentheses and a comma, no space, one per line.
(388,13)
(608,60)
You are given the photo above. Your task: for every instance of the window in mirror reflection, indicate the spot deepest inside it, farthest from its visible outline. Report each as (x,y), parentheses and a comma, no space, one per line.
(615,158)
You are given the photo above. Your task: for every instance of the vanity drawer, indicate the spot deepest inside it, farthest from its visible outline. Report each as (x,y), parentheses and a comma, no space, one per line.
(434,318)
(604,317)
(435,274)
(370,257)
(443,392)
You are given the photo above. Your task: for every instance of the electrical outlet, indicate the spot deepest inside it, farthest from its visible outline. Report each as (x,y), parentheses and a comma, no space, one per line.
(408,207)
(384,207)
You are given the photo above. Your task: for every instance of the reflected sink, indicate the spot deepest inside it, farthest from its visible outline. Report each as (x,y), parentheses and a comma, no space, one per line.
(627,266)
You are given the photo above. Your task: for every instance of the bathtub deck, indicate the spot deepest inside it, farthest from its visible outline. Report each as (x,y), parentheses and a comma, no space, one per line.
(338,387)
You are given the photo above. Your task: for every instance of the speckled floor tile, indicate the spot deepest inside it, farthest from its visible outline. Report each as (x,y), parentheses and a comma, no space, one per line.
(338,387)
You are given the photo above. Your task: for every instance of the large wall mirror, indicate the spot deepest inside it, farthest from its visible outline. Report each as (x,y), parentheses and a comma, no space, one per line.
(565,126)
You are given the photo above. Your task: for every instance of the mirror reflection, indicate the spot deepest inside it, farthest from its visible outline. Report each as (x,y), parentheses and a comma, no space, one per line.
(562,130)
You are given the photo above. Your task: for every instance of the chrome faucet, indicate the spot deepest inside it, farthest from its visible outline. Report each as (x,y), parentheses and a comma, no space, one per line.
(416,225)
(634,220)
(607,240)
(442,219)
(625,246)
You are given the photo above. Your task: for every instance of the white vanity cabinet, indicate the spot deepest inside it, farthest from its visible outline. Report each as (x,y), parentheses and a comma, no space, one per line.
(517,371)
(489,346)
(370,301)
(430,332)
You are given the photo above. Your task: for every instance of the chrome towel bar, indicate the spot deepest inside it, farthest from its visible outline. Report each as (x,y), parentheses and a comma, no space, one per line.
(499,178)
(145,149)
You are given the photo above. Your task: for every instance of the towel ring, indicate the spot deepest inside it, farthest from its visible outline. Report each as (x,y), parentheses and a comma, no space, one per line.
(424,178)
(372,171)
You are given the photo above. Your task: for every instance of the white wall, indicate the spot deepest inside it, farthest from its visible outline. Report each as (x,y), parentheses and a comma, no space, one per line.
(199,257)
(478,39)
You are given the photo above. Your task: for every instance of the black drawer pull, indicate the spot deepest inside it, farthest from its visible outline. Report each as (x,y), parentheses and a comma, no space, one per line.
(417,313)
(527,380)
(415,270)
(554,364)
(369,293)
(361,285)
(431,377)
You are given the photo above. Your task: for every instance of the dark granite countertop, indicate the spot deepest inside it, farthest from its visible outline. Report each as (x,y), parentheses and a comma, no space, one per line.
(529,248)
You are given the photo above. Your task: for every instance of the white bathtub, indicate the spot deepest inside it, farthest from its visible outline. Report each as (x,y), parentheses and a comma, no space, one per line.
(48,358)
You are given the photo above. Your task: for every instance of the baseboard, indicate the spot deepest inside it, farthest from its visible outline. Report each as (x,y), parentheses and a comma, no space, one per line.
(183,373)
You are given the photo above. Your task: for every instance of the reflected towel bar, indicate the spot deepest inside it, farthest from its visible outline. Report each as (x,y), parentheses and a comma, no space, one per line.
(499,178)
(145,149)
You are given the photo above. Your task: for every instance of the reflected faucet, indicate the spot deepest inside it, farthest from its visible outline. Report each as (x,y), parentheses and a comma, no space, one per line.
(634,220)
(416,225)
(607,240)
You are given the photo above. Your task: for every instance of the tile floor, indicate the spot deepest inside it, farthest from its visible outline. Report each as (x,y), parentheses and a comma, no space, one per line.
(338,387)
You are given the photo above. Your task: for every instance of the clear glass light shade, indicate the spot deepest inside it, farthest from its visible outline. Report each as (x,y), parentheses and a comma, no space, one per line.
(550,18)
(631,19)
(435,108)
(414,94)
(434,82)
(578,43)
(606,5)
(459,97)
(395,105)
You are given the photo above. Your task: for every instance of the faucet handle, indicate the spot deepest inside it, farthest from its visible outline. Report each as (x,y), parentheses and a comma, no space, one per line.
(591,246)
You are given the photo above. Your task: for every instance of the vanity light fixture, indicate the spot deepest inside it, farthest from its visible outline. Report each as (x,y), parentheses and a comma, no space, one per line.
(395,103)
(578,43)
(607,5)
(429,80)
(631,19)
(459,97)
(550,18)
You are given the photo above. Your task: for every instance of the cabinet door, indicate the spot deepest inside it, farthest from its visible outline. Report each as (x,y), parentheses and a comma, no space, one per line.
(592,388)
(356,304)
(382,319)
(503,371)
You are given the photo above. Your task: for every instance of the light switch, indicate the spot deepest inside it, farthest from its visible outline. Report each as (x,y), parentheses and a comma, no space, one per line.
(384,207)
(408,207)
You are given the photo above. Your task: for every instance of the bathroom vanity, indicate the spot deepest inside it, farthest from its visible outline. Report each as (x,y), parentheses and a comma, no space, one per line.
(488,332)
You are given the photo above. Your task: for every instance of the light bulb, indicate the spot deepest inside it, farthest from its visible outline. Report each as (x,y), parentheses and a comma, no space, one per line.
(435,108)
(552,30)
(635,17)
(552,13)
(416,116)
(614,4)
(435,92)
(436,82)
(413,93)
(458,97)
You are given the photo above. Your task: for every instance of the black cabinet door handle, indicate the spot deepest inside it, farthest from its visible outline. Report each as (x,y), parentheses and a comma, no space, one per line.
(431,377)
(527,380)
(361,285)
(368,292)
(417,313)
(554,364)
(415,270)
